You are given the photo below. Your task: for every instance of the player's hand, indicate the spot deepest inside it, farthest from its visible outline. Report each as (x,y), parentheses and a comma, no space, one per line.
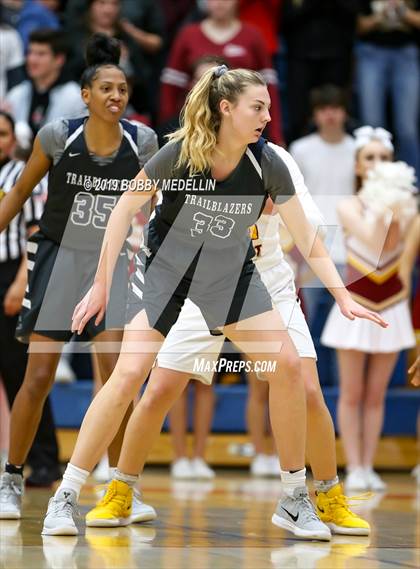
(93,304)
(14,297)
(352,310)
(415,368)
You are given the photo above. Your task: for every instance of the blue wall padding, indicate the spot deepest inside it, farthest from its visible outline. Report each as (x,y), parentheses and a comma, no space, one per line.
(70,403)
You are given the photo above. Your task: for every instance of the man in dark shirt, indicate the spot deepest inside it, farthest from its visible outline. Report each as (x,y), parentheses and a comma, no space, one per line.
(319,36)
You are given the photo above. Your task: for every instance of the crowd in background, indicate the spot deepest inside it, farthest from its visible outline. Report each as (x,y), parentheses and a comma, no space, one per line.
(330,66)
(370,49)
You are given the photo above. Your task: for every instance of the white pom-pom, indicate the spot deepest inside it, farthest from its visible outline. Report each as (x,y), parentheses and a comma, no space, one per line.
(390,185)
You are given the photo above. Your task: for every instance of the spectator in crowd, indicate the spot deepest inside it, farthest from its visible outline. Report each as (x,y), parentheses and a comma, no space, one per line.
(46,95)
(174,15)
(200,66)
(11,57)
(220,33)
(266,17)
(139,27)
(387,63)
(11,10)
(375,241)
(326,159)
(319,36)
(35,15)
(102,16)
(43,457)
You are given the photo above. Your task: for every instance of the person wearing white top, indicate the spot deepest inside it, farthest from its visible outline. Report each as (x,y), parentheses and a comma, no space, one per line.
(326,159)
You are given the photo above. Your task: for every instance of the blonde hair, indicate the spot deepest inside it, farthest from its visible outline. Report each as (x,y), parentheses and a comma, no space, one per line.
(200,116)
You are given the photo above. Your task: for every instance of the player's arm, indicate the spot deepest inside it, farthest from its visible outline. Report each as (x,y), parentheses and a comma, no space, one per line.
(95,301)
(118,225)
(36,168)
(315,254)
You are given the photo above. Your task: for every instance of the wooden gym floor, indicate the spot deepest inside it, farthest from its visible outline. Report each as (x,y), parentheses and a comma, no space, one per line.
(223,524)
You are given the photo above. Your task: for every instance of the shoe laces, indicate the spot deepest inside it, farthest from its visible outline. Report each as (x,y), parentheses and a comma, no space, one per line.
(109,494)
(9,487)
(343,501)
(308,510)
(64,508)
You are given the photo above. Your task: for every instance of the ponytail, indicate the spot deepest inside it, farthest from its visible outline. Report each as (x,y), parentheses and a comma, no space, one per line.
(201,118)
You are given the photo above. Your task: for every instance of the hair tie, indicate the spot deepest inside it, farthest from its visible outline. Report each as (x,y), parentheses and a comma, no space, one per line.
(219,71)
(366,134)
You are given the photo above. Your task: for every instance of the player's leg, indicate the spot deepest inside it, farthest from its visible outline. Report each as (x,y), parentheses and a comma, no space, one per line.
(163,389)
(187,340)
(332,506)
(257,419)
(203,417)
(181,465)
(287,402)
(107,348)
(103,419)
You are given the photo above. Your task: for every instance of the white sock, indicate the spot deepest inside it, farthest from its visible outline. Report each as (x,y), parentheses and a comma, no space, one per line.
(325,485)
(73,479)
(292,480)
(129,479)
(112,471)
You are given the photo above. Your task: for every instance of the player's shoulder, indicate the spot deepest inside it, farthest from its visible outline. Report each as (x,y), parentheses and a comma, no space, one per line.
(54,134)
(273,155)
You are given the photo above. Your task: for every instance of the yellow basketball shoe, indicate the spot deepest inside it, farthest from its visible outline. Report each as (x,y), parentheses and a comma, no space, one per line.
(115,507)
(333,509)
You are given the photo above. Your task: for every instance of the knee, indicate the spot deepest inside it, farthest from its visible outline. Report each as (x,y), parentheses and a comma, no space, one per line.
(351,398)
(374,399)
(127,382)
(156,398)
(39,383)
(259,394)
(288,367)
(314,398)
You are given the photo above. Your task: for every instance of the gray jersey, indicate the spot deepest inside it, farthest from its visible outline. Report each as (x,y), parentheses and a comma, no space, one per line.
(53,138)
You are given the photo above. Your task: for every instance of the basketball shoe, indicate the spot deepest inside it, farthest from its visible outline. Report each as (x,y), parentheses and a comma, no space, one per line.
(333,509)
(297,515)
(115,507)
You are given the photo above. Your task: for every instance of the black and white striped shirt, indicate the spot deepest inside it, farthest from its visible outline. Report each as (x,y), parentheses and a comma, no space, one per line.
(13,239)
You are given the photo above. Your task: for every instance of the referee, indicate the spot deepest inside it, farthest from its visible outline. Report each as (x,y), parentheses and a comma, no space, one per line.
(43,457)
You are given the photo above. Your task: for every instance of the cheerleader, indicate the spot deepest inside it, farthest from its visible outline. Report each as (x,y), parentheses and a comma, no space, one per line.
(366,354)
